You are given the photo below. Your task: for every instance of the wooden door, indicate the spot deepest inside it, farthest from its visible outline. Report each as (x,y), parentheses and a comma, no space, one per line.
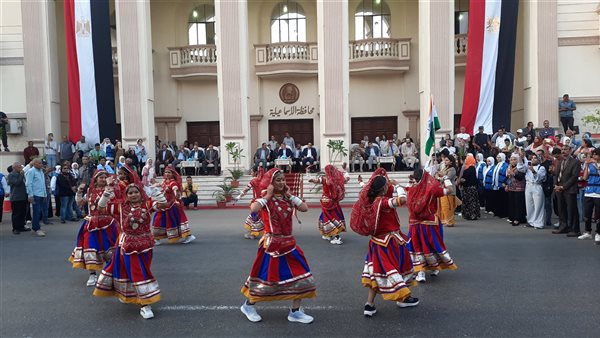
(301,130)
(373,127)
(204,133)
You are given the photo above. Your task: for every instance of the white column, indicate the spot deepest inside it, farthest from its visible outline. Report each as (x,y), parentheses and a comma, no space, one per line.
(41,70)
(541,60)
(232,77)
(334,76)
(436,65)
(136,82)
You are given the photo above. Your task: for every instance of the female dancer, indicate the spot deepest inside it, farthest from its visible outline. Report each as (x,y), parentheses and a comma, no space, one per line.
(254,225)
(425,229)
(331,221)
(98,233)
(448,202)
(128,276)
(170,220)
(280,270)
(515,191)
(388,268)
(470,210)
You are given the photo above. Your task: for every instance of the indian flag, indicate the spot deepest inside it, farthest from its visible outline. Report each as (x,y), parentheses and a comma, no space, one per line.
(433,124)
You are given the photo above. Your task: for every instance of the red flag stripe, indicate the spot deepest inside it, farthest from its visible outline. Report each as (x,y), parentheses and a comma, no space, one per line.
(474,62)
(72,73)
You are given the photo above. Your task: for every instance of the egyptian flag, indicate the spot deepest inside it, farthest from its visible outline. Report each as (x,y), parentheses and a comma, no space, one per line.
(490,64)
(89,70)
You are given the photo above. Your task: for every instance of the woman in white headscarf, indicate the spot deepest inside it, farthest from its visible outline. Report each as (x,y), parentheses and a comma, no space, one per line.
(479,172)
(121,162)
(488,180)
(498,186)
(148,175)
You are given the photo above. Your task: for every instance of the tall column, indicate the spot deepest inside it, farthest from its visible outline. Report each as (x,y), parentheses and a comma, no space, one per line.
(41,69)
(541,74)
(232,77)
(334,76)
(436,65)
(136,83)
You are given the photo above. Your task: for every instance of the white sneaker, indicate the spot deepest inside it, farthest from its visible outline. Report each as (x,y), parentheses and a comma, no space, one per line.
(146,312)
(586,235)
(327,238)
(420,276)
(250,313)
(28,223)
(336,240)
(597,239)
(300,317)
(247,236)
(156,242)
(40,233)
(92,280)
(435,272)
(459,214)
(188,239)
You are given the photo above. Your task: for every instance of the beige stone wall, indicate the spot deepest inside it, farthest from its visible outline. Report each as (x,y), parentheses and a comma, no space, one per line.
(577,18)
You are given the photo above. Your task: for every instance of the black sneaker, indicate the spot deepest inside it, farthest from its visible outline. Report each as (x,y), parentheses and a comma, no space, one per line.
(6,149)
(16,232)
(25,229)
(369,310)
(408,302)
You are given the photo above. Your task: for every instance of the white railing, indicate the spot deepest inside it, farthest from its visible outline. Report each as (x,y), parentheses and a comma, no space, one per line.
(385,48)
(460,45)
(195,55)
(286,52)
(115,59)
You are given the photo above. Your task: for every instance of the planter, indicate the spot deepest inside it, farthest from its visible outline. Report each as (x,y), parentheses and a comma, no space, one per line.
(235,184)
(221,204)
(228,198)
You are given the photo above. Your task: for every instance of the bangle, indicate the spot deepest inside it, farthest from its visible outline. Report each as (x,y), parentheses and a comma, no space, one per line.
(295,201)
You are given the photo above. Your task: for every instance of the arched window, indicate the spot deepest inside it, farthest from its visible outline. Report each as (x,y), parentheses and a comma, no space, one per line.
(201,25)
(372,19)
(288,22)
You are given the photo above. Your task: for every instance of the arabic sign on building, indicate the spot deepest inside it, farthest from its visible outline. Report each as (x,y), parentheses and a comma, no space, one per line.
(287,111)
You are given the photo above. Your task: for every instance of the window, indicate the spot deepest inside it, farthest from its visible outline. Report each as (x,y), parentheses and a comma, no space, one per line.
(288,22)
(201,26)
(372,19)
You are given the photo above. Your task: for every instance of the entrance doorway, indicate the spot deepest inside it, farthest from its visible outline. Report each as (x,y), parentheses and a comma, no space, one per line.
(204,133)
(373,127)
(301,130)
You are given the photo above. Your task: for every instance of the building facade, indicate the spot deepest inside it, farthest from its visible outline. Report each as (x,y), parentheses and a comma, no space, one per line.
(243,70)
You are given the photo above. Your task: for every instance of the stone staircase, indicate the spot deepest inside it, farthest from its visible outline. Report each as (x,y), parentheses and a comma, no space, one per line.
(208,184)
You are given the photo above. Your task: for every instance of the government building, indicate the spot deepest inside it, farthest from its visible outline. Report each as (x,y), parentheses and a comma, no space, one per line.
(215,72)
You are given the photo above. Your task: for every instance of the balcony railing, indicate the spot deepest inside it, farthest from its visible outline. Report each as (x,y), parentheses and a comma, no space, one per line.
(381,49)
(193,61)
(460,45)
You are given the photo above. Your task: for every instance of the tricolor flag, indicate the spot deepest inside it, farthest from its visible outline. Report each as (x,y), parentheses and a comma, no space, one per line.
(433,124)
(490,64)
(89,70)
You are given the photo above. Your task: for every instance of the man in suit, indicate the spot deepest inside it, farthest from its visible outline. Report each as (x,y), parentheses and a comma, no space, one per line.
(211,157)
(297,158)
(372,153)
(262,155)
(284,153)
(196,154)
(309,155)
(180,155)
(164,158)
(390,149)
(565,186)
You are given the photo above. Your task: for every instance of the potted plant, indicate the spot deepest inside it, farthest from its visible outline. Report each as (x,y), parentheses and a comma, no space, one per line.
(221,200)
(226,191)
(235,152)
(594,121)
(336,150)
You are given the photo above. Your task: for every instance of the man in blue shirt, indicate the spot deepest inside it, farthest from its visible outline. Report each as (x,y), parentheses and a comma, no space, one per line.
(35,183)
(565,111)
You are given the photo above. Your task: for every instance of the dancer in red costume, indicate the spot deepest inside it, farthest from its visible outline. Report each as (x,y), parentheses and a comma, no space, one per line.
(388,269)
(170,220)
(128,275)
(98,232)
(425,229)
(280,270)
(331,220)
(254,225)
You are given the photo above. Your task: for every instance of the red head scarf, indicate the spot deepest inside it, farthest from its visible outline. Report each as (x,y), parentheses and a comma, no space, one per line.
(132,176)
(255,182)
(140,188)
(267,178)
(419,194)
(362,220)
(335,183)
(176,176)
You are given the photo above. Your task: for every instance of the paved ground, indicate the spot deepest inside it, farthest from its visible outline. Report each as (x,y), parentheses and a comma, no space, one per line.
(511,281)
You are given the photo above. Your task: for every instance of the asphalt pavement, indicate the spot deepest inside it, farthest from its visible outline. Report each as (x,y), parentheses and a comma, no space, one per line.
(511,281)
